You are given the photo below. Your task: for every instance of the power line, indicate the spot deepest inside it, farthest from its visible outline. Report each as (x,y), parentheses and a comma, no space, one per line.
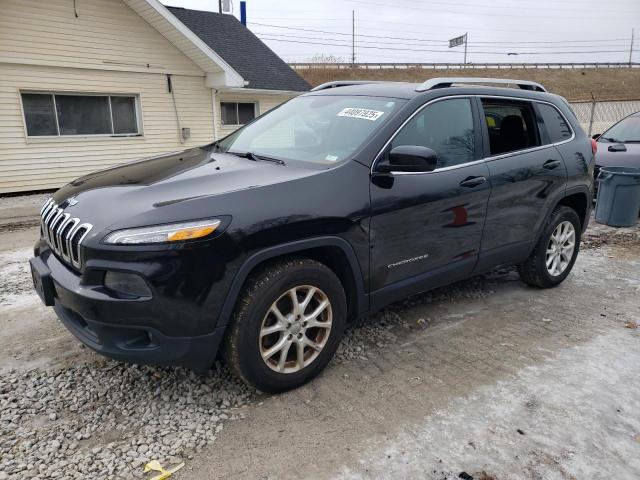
(422,26)
(441,51)
(395,43)
(286,27)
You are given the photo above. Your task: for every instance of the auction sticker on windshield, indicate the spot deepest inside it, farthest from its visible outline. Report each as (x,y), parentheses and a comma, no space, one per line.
(363,113)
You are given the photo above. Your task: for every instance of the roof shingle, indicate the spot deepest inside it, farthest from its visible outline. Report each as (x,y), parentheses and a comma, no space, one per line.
(241,49)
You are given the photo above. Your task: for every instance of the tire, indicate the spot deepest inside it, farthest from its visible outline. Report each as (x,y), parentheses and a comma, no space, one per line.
(534,271)
(244,347)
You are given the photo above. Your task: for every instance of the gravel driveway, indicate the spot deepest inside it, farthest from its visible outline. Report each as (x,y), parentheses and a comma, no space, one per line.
(486,377)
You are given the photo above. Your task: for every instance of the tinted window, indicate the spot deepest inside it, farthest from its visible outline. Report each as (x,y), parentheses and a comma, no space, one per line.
(446,127)
(555,124)
(511,125)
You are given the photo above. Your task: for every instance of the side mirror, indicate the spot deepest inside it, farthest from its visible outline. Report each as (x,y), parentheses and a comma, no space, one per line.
(596,136)
(410,158)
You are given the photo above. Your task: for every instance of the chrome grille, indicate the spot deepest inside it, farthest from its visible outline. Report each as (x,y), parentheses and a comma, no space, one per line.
(63,233)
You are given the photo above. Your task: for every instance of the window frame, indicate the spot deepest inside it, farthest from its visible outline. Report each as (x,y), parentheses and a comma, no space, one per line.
(541,128)
(59,137)
(480,132)
(232,125)
(485,129)
(477,136)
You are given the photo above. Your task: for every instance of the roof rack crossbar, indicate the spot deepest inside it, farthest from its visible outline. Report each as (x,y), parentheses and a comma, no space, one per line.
(442,82)
(342,83)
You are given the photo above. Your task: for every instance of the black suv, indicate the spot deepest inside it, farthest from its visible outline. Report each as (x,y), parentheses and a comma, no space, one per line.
(263,246)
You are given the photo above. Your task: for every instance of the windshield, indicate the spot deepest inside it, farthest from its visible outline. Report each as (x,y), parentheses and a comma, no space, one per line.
(322,129)
(628,130)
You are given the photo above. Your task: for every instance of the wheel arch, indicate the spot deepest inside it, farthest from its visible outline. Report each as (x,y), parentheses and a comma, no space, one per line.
(334,252)
(579,199)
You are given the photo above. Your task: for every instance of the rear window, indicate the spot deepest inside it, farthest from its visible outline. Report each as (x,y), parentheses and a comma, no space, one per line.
(555,124)
(511,125)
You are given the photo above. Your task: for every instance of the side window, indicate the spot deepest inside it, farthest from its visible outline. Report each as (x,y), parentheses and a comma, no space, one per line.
(446,127)
(234,113)
(53,114)
(554,122)
(511,125)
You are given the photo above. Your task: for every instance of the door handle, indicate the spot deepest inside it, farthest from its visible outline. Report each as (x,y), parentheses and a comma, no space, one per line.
(471,182)
(551,164)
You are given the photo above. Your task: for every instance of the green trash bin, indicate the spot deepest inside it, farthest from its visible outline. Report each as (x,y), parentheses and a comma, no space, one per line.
(618,203)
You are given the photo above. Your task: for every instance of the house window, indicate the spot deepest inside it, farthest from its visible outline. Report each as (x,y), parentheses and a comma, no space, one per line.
(234,113)
(51,114)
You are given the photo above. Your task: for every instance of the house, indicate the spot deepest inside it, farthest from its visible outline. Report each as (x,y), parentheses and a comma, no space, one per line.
(88,84)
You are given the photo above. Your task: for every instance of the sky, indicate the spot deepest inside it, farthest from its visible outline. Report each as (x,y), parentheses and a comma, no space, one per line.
(418,31)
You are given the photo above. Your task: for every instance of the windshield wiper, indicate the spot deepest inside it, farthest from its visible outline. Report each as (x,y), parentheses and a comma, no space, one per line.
(255,158)
(612,140)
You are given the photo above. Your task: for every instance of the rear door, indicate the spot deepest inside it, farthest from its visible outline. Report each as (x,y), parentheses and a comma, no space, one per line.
(527,174)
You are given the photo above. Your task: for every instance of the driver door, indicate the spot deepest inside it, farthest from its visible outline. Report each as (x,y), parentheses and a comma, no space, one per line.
(426,227)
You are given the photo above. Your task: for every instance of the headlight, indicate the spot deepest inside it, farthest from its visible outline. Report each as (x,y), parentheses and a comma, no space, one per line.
(174,232)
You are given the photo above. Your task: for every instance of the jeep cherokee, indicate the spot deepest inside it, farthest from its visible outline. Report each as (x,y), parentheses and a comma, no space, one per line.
(263,246)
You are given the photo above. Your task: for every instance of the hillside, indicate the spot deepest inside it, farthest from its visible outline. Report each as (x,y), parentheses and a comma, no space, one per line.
(574,84)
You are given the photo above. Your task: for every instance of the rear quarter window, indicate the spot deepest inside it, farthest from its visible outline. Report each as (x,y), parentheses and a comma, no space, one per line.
(555,124)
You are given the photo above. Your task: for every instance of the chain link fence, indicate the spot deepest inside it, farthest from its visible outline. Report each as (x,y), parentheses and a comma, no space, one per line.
(597,116)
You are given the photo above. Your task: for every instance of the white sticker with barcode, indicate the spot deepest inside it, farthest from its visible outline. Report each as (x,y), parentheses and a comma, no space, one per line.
(362,113)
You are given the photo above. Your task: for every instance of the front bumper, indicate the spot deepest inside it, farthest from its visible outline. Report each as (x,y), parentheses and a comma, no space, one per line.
(140,344)
(129,330)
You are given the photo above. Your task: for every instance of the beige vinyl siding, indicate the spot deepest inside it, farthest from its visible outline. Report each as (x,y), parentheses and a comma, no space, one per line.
(107,35)
(264,103)
(42,163)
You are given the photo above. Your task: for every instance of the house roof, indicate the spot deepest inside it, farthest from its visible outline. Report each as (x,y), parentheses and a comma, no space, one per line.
(219,72)
(240,48)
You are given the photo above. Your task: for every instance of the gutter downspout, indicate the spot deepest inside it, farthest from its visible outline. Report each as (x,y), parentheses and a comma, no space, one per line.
(175,108)
(214,99)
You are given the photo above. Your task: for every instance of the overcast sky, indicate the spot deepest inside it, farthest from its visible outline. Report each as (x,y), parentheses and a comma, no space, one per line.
(418,31)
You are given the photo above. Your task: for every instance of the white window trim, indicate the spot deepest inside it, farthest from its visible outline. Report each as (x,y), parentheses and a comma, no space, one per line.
(236,125)
(100,136)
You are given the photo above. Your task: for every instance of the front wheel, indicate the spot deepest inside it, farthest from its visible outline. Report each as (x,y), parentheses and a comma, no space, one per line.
(556,251)
(287,325)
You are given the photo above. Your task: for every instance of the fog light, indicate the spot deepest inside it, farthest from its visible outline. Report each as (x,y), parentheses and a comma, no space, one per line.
(128,284)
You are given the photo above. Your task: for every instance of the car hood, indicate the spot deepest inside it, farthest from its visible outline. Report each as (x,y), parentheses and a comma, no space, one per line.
(628,158)
(162,189)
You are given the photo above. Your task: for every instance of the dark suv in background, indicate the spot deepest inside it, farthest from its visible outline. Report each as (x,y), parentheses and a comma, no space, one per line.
(266,244)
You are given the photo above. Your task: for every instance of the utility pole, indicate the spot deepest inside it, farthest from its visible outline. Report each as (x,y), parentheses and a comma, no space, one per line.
(631,48)
(219,6)
(466,41)
(353,38)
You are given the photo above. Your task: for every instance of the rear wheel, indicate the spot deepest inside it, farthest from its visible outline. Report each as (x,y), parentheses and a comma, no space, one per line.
(287,325)
(556,251)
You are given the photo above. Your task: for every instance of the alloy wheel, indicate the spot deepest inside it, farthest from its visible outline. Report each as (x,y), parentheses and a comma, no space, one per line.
(560,249)
(295,329)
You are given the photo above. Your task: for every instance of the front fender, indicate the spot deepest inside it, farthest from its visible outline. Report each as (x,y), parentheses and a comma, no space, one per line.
(287,249)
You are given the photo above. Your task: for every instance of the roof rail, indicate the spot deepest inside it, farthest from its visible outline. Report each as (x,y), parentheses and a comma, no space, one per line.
(342,83)
(442,82)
